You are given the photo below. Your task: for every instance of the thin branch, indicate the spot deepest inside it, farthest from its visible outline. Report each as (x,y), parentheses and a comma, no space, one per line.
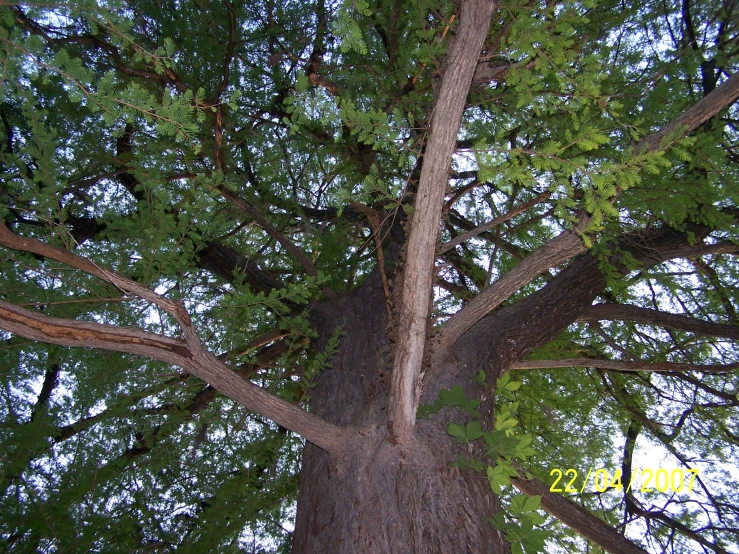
(261,340)
(661,516)
(166,75)
(703,385)
(229,52)
(271,230)
(10,240)
(494,223)
(51,379)
(691,251)
(600,312)
(617,365)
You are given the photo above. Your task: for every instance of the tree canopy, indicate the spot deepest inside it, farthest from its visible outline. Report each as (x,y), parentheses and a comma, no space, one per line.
(184,185)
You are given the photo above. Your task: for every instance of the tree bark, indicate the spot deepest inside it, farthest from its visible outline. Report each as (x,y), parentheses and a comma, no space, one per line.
(424,229)
(383,496)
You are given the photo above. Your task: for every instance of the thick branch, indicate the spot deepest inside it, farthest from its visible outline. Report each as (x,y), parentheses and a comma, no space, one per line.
(327,436)
(508,334)
(556,251)
(207,367)
(722,96)
(617,365)
(418,274)
(66,332)
(577,518)
(188,354)
(600,312)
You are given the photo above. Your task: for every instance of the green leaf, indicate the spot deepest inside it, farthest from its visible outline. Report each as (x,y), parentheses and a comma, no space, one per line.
(532,503)
(474,430)
(458,432)
(513,386)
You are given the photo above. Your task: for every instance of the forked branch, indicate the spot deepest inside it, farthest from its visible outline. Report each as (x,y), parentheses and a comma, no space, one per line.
(188,354)
(555,252)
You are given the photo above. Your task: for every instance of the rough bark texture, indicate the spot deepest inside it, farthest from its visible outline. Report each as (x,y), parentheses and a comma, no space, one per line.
(385,497)
(424,230)
(604,312)
(381,497)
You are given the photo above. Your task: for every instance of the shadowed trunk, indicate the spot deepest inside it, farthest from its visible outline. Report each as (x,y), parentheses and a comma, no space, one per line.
(378,496)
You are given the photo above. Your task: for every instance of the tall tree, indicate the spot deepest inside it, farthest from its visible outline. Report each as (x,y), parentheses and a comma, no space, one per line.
(404,265)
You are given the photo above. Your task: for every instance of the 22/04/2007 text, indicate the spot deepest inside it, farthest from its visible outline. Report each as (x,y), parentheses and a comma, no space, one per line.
(664,480)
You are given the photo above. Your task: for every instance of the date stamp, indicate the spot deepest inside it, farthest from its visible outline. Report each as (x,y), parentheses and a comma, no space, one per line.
(644,480)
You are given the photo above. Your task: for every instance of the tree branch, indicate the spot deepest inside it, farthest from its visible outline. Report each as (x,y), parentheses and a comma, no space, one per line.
(556,251)
(67,332)
(506,335)
(494,223)
(229,52)
(600,312)
(577,518)
(691,251)
(10,240)
(51,379)
(722,96)
(202,364)
(617,365)
(424,227)
(224,262)
(166,75)
(188,354)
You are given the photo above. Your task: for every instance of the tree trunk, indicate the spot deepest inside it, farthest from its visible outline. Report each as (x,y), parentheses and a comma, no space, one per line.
(376,496)
(385,498)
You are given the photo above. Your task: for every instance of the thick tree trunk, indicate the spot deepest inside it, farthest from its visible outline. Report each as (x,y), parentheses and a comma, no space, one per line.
(385,498)
(376,496)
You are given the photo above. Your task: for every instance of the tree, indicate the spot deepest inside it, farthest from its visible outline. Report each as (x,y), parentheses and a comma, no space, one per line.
(385,259)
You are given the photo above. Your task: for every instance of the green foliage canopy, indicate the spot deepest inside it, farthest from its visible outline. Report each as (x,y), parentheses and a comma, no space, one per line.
(227,154)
